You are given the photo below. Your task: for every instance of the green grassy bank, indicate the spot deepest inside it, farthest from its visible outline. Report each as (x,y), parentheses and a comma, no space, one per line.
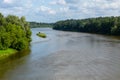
(43,35)
(6,53)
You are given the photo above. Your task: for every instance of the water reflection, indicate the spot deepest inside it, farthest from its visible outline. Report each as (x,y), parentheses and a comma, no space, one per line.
(13,61)
(16,56)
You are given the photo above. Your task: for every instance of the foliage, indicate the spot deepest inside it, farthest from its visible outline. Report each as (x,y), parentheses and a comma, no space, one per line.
(100,25)
(43,35)
(36,24)
(6,53)
(14,32)
(9,50)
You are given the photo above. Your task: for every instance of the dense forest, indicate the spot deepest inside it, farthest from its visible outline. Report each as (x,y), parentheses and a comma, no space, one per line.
(14,32)
(100,25)
(37,25)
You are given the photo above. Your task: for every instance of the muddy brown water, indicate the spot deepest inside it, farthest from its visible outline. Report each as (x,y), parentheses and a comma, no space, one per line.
(65,56)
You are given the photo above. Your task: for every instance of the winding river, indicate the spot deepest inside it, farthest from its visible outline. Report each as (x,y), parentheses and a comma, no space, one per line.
(65,56)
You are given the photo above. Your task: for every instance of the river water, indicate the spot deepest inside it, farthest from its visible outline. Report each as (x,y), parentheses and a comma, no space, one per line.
(65,56)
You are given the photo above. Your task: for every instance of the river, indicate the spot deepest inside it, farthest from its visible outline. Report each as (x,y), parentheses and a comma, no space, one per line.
(65,56)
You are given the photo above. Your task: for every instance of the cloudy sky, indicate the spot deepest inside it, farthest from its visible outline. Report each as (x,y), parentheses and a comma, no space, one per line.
(54,10)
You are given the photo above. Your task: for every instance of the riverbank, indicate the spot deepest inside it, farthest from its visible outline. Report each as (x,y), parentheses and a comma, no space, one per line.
(6,53)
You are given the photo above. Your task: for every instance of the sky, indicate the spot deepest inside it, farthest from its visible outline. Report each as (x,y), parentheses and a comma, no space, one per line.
(55,10)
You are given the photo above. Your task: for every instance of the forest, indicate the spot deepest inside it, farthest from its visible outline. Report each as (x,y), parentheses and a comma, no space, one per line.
(99,25)
(15,32)
(38,25)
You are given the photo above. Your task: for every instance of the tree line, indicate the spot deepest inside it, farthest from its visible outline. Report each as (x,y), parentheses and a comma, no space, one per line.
(14,32)
(100,25)
(37,25)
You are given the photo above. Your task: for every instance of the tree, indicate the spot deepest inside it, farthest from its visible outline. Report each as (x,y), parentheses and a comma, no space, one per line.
(100,25)
(14,32)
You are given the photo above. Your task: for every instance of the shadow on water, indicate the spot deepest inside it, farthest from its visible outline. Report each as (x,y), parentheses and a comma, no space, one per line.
(4,64)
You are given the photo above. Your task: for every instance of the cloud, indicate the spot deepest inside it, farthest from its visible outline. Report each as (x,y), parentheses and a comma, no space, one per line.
(64,9)
(6,4)
(13,7)
(93,8)
(46,10)
(72,1)
(58,2)
(8,1)
(54,10)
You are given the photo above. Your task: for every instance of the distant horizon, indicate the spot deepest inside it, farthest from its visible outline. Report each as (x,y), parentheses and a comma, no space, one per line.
(73,19)
(50,11)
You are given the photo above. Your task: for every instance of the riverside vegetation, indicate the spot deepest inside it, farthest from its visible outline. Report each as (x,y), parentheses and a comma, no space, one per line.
(15,34)
(100,25)
(43,35)
(40,25)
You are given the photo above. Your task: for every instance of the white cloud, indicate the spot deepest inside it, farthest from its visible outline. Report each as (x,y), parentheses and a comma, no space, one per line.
(58,2)
(62,2)
(46,10)
(113,5)
(63,8)
(28,4)
(8,1)
(102,4)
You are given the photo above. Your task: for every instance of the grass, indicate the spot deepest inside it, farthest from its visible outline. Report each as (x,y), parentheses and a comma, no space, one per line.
(43,35)
(7,53)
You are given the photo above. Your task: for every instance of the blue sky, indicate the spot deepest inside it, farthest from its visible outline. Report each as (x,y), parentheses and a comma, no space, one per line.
(55,10)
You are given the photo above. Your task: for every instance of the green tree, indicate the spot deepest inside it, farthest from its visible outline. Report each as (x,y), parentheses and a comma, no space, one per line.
(14,32)
(100,25)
